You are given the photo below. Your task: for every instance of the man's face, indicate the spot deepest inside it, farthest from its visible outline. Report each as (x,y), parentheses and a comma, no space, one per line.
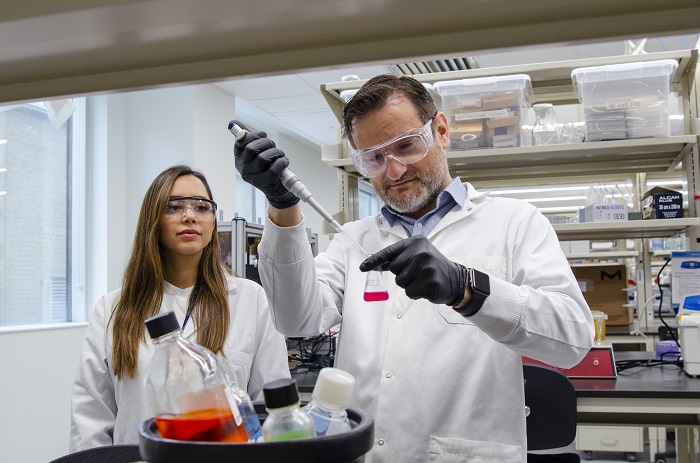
(409,189)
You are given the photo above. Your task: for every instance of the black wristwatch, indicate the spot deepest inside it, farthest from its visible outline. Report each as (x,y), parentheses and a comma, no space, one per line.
(480,288)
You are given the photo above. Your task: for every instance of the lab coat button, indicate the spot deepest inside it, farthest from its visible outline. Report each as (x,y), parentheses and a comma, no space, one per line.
(420,225)
(398,315)
(380,442)
(388,375)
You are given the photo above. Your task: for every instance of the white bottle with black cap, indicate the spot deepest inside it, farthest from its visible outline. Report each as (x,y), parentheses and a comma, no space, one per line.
(285,420)
(329,400)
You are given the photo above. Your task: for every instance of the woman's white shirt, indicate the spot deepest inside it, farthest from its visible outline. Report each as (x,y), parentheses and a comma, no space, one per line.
(107,411)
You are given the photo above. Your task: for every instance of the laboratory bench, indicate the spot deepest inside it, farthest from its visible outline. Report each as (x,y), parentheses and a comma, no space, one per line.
(621,414)
(613,414)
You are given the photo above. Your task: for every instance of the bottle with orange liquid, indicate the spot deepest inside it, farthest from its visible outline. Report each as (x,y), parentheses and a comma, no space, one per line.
(188,389)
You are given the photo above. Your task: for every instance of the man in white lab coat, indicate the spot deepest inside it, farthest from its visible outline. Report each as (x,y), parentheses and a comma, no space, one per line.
(476,282)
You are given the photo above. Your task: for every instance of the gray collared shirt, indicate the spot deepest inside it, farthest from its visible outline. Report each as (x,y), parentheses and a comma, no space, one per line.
(454,194)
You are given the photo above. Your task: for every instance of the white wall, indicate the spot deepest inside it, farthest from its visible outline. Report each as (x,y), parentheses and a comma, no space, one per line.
(37,375)
(131,138)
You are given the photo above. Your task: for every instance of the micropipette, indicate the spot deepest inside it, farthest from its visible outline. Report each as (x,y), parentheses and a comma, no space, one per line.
(293,184)
(374,286)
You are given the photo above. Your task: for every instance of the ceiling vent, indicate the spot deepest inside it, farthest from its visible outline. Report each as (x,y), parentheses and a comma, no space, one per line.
(430,67)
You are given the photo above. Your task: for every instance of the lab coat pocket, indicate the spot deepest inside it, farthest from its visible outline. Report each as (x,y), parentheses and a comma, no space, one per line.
(238,365)
(495,266)
(447,450)
(452,317)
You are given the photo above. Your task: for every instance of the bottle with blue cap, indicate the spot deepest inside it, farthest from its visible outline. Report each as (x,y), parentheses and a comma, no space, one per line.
(329,400)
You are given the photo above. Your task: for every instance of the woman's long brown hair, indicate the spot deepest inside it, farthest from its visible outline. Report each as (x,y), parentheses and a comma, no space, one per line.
(142,287)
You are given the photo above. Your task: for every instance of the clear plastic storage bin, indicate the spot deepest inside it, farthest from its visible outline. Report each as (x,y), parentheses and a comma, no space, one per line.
(625,100)
(486,112)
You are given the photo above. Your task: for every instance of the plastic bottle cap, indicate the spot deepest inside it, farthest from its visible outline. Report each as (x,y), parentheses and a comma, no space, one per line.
(281,393)
(334,387)
(162,324)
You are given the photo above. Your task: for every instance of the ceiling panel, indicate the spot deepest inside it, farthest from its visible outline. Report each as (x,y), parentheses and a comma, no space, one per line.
(321,127)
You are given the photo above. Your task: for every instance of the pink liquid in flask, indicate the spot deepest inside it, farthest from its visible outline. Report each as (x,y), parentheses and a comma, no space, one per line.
(375,296)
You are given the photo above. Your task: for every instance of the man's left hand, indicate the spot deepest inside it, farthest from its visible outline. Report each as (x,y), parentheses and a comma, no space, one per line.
(421,270)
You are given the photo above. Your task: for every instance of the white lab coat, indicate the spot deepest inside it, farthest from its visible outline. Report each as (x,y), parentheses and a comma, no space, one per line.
(107,411)
(440,387)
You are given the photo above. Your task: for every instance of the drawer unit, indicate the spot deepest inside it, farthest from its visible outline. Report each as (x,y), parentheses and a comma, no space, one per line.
(610,438)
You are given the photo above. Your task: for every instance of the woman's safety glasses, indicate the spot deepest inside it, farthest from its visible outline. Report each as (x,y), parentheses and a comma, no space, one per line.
(407,148)
(202,208)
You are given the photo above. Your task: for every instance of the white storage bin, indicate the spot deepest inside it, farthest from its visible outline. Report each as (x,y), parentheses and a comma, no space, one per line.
(486,112)
(625,100)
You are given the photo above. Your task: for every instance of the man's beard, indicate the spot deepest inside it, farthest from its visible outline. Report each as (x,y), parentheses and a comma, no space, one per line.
(408,203)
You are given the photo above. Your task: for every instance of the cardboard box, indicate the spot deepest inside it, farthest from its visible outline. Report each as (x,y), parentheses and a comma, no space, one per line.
(613,212)
(662,203)
(603,288)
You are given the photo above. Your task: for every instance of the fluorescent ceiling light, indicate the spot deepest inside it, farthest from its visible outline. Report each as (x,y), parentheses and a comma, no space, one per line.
(664,182)
(539,190)
(2,141)
(3,193)
(559,209)
(3,169)
(557,198)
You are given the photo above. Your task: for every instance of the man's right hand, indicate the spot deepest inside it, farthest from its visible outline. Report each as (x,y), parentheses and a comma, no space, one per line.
(261,164)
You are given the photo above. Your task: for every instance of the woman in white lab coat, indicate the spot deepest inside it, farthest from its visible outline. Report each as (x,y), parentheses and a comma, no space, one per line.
(174,265)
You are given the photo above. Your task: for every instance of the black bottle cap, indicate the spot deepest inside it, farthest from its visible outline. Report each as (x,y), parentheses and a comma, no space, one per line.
(281,393)
(162,324)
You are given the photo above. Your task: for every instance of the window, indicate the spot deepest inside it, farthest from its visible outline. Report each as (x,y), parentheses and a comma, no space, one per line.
(41,213)
(368,202)
(251,203)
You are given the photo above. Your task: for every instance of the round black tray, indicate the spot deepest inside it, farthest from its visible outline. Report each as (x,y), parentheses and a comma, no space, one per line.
(349,447)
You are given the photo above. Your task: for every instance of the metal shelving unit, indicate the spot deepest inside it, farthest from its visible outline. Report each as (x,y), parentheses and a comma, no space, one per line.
(630,229)
(582,159)
(547,165)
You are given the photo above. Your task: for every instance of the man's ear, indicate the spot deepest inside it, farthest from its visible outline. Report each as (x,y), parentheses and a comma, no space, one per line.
(442,130)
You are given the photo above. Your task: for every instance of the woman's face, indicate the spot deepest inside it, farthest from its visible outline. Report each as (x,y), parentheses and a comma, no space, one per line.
(186,234)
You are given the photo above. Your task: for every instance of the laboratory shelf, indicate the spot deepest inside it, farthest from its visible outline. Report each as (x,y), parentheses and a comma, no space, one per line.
(602,255)
(551,81)
(630,229)
(593,264)
(629,156)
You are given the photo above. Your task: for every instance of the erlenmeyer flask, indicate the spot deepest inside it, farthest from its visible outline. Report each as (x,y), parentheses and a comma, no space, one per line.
(374,287)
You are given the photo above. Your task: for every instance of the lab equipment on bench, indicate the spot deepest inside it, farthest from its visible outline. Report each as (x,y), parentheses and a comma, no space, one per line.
(290,181)
(689,333)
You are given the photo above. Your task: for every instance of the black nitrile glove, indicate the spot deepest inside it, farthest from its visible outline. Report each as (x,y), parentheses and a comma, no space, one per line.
(421,270)
(260,163)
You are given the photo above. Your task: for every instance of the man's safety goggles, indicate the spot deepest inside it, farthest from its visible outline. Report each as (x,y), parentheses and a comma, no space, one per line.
(407,148)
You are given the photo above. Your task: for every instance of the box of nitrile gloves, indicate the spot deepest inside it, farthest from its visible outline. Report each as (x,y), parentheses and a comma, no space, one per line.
(613,212)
